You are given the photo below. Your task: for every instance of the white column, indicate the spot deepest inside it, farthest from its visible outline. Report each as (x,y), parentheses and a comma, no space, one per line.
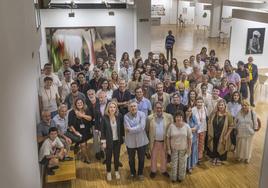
(18,79)
(215,18)
(143,26)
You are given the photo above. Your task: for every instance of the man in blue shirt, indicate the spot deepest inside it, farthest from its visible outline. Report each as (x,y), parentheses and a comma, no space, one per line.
(170,40)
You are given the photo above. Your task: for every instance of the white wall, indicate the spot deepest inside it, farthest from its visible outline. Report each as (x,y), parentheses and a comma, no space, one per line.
(238,42)
(199,11)
(18,79)
(123,20)
(170,10)
(143,11)
(189,16)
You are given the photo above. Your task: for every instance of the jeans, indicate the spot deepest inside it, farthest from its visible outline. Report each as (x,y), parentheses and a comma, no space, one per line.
(131,157)
(169,50)
(114,150)
(251,85)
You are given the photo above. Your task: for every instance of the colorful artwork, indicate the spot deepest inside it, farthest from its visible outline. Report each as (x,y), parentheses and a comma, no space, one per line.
(158,10)
(87,43)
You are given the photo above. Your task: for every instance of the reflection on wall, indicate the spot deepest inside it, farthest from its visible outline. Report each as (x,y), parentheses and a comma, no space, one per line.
(87,43)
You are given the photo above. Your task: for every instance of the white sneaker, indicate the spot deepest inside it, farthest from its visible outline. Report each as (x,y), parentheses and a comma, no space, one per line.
(117,175)
(109,176)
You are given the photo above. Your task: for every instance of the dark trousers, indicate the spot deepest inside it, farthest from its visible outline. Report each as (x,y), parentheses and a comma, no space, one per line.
(169,50)
(131,158)
(244,90)
(114,150)
(251,85)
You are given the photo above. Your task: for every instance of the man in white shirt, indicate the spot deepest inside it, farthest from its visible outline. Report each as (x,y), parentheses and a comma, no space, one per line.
(66,84)
(126,72)
(65,66)
(48,73)
(51,151)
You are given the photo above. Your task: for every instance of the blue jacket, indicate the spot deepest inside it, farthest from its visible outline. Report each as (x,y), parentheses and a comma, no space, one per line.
(170,40)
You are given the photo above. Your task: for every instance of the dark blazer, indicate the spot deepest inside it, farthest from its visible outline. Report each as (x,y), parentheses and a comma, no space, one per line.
(254,72)
(106,130)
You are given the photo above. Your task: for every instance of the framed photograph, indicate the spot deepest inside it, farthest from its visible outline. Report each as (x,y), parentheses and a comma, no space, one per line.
(255,40)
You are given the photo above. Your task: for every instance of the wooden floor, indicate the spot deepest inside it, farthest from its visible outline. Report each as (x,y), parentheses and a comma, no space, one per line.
(230,175)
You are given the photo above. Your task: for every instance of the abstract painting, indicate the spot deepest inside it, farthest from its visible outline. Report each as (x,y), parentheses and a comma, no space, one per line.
(86,43)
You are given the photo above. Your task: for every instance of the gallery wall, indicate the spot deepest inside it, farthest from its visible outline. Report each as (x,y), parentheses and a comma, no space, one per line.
(239,40)
(123,20)
(199,12)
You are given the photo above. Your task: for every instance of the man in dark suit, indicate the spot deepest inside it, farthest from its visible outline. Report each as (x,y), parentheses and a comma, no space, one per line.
(253,77)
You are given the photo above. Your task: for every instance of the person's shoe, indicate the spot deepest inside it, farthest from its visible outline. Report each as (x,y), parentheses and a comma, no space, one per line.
(132,176)
(54,167)
(87,161)
(253,105)
(120,164)
(247,161)
(189,171)
(117,175)
(141,177)
(109,176)
(152,175)
(50,172)
(68,158)
(165,174)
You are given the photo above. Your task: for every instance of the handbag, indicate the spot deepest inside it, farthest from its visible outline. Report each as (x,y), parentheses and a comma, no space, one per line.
(258,122)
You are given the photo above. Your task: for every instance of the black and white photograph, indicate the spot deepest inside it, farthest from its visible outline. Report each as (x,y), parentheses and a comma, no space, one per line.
(255,40)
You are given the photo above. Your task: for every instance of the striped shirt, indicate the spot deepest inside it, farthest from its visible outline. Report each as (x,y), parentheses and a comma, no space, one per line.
(170,40)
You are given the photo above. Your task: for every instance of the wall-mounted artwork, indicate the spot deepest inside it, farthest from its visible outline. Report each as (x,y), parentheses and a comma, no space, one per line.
(86,43)
(255,40)
(158,10)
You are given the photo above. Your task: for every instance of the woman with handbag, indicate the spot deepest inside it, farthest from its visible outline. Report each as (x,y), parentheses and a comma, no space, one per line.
(246,125)
(112,130)
(79,122)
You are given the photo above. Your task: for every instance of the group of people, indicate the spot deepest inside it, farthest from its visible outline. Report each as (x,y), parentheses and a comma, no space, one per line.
(178,113)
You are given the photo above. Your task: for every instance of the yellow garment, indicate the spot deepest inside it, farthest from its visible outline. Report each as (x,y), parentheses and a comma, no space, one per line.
(250,72)
(186,84)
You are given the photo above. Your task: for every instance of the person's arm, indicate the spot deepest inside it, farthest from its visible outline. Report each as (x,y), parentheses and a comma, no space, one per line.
(189,140)
(40,103)
(139,128)
(168,146)
(230,126)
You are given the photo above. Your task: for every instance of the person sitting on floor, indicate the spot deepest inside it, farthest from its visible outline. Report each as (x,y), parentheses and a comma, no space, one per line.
(51,151)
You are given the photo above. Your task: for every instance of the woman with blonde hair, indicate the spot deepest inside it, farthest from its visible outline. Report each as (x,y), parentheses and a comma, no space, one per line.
(246,125)
(220,125)
(112,131)
(79,122)
(114,80)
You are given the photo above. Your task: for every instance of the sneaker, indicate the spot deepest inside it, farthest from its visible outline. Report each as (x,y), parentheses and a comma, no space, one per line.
(132,176)
(141,177)
(152,175)
(68,158)
(117,175)
(109,176)
(165,174)
(50,172)
(54,167)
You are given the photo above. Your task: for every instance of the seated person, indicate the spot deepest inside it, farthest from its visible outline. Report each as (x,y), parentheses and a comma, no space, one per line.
(43,126)
(51,151)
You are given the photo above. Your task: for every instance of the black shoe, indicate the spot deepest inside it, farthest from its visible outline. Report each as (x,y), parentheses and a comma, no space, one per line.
(50,172)
(120,164)
(68,158)
(148,156)
(54,167)
(165,174)
(152,175)
(87,161)
(98,156)
(104,161)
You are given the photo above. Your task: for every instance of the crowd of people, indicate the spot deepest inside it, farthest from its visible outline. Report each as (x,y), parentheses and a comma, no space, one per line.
(179,112)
